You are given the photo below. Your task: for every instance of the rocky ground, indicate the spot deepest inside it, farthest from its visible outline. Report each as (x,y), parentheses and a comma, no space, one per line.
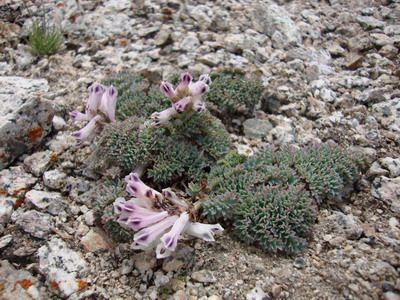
(331,72)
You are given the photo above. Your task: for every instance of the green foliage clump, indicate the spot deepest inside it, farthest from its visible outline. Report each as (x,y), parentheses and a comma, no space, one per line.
(181,151)
(269,199)
(43,39)
(136,96)
(233,95)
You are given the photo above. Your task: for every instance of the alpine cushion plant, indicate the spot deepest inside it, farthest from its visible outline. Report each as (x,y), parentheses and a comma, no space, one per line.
(159,219)
(100,109)
(271,199)
(178,144)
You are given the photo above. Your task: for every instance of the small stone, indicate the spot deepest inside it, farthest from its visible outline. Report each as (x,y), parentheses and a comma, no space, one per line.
(160,279)
(177,284)
(179,295)
(62,267)
(54,179)
(61,142)
(59,123)
(143,32)
(256,128)
(204,276)
(392,30)
(89,217)
(354,62)
(15,181)
(377,170)
(5,240)
(190,42)
(162,37)
(348,225)
(76,185)
(257,294)
(51,202)
(35,223)
(299,263)
(389,51)
(144,261)
(271,19)
(368,22)
(127,266)
(391,296)
(38,162)
(95,240)
(6,209)
(391,164)
(388,190)
(173,265)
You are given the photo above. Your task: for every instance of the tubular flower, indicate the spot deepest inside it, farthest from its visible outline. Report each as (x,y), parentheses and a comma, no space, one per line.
(185,97)
(158,219)
(100,108)
(138,189)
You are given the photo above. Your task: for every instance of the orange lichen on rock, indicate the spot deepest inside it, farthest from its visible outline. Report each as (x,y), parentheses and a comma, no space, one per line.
(35,133)
(53,157)
(2,286)
(82,284)
(54,285)
(25,283)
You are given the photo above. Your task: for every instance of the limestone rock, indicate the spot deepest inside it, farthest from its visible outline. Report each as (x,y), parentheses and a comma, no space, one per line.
(19,284)
(51,202)
(271,19)
(39,162)
(25,119)
(15,181)
(256,128)
(35,223)
(62,267)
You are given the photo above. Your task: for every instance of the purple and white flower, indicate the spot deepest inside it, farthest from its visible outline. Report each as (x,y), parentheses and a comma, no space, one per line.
(157,227)
(100,108)
(136,188)
(186,96)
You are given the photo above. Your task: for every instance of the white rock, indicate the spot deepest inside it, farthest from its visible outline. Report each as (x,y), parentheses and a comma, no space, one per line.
(271,18)
(190,42)
(54,179)
(19,284)
(6,209)
(35,223)
(38,162)
(25,119)
(51,202)
(15,181)
(59,123)
(391,164)
(388,190)
(257,294)
(61,265)
(95,240)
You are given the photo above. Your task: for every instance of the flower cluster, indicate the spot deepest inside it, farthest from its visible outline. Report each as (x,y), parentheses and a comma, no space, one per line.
(186,96)
(100,108)
(158,218)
